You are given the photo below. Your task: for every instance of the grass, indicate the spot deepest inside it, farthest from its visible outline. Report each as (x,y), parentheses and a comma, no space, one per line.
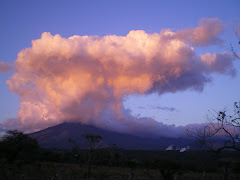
(145,165)
(47,170)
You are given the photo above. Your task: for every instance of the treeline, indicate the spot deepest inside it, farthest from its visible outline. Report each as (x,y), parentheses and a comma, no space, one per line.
(22,158)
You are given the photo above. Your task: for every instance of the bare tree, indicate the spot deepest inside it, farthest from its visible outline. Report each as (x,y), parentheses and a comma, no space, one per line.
(233,49)
(202,135)
(75,149)
(93,141)
(222,125)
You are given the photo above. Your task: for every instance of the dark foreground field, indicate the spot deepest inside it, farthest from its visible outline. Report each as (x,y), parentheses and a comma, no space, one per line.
(113,163)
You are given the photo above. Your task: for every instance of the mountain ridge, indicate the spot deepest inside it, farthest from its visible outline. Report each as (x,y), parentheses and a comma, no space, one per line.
(58,137)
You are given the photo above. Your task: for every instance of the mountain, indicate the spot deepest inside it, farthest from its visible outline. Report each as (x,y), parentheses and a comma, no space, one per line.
(58,137)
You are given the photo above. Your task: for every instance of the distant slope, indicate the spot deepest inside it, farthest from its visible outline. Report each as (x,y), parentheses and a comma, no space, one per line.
(57,137)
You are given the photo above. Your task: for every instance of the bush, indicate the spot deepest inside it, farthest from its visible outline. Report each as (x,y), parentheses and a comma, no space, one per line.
(18,146)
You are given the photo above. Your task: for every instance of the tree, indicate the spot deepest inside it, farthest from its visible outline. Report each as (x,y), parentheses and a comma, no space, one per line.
(220,125)
(18,146)
(93,141)
(233,50)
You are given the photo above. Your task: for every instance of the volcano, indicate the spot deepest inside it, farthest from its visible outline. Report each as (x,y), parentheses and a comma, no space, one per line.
(58,137)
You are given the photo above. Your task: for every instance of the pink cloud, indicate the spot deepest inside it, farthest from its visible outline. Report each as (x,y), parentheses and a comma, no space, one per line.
(85,78)
(219,62)
(207,33)
(5,67)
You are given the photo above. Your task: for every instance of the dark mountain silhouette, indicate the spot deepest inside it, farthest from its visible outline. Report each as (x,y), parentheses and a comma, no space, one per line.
(58,137)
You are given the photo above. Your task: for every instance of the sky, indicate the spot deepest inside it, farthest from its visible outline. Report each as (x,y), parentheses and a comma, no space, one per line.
(126,64)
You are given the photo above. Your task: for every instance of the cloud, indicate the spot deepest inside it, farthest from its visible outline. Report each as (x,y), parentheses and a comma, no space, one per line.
(163,108)
(217,63)
(5,67)
(85,78)
(207,33)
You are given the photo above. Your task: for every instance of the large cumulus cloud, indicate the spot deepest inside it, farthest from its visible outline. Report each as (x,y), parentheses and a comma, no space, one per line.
(85,78)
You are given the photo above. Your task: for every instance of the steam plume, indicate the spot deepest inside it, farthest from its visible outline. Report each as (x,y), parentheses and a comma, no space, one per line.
(85,78)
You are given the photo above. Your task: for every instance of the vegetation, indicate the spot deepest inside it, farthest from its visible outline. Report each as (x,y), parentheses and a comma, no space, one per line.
(93,141)
(17,146)
(222,126)
(145,165)
(233,49)
(20,158)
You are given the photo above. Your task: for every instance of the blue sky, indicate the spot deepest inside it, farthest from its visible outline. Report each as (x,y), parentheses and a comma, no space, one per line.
(24,21)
